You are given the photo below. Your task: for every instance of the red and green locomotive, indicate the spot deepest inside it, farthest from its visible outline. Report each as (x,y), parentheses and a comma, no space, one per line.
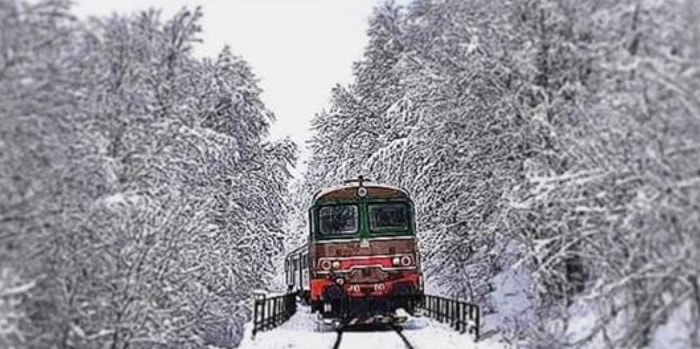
(361,260)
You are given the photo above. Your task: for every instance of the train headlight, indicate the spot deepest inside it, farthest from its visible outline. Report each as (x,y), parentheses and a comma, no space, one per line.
(396,261)
(335,265)
(406,261)
(325,264)
(340,281)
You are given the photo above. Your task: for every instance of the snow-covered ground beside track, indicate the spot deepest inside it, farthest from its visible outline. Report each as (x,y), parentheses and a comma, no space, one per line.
(302,332)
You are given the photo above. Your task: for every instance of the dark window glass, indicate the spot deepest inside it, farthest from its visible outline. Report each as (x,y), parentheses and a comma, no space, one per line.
(388,217)
(337,220)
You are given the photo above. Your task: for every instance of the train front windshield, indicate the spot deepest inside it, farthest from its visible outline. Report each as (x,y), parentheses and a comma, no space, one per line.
(338,220)
(389,217)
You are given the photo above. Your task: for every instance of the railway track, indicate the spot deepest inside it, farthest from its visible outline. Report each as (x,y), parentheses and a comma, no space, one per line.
(399,331)
(338,339)
(396,329)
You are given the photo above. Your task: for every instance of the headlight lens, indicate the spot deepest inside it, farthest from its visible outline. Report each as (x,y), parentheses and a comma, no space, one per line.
(396,261)
(406,261)
(336,265)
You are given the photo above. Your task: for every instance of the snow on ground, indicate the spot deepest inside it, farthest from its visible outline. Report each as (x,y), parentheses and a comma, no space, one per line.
(302,332)
(512,301)
(678,330)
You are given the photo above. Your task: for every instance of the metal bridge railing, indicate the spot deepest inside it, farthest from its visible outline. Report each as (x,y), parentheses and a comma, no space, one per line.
(462,316)
(270,312)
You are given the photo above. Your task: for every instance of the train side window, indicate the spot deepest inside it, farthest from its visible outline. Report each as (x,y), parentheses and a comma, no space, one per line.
(287,273)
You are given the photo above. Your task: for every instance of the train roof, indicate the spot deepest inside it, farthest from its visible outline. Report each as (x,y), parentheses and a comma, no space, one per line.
(297,250)
(350,189)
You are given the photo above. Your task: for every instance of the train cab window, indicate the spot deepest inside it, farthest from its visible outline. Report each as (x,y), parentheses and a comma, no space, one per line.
(389,217)
(337,220)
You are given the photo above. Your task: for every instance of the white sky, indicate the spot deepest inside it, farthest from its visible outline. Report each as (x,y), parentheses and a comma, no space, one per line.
(299,49)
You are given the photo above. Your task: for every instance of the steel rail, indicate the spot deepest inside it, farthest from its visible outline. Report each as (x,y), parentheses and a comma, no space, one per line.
(399,331)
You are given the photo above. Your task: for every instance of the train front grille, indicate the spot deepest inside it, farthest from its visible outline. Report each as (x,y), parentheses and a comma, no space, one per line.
(367,275)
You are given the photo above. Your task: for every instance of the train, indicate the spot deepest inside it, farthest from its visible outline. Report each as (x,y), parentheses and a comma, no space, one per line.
(361,261)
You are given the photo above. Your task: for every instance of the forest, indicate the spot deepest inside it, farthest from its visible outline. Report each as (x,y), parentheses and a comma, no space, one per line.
(552,149)
(140,204)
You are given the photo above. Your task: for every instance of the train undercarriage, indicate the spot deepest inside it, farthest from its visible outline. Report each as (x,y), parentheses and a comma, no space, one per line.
(342,309)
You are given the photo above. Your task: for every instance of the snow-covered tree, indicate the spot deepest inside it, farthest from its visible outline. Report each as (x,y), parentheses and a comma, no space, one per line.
(561,135)
(139,194)
(603,219)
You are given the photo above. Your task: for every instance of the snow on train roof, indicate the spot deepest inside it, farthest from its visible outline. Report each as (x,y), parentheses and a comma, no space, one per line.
(354,184)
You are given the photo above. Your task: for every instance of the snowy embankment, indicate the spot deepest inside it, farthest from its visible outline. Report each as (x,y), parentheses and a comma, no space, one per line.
(301,332)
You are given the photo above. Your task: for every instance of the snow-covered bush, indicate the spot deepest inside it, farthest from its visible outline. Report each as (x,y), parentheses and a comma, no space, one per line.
(11,313)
